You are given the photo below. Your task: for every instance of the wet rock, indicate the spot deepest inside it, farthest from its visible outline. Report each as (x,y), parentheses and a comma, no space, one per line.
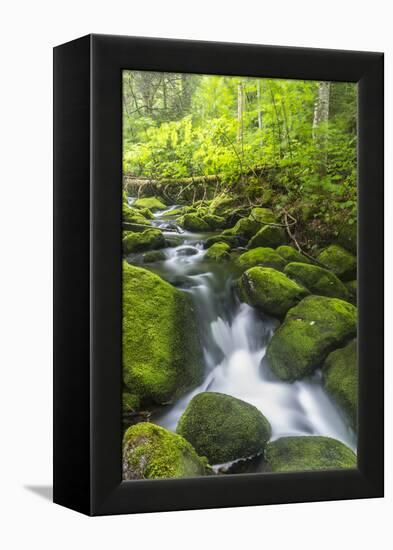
(150,239)
(223,428)
(191,222)
(317,279)
(311,330)
(268,236)
(186,251)
(261,256)
(219,252)
(153,256)
(151,452)
(163,362)
(302,453)
(269,291)
(340,261)
(340,378)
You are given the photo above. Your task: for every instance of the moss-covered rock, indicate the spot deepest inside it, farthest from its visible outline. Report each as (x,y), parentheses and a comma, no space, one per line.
(352,289)
(292,454)
(264,257)
(214,222)
(152,203)
(228,239)
(340,378)
(340,261)
(262,215)
(173,213)
(148,214)
(269,290)
(317,279)
(132,215)
(151,452)
(290,254)
(223,428)
(269,236)
(192,222)
(162,356)
(311,330)
(153,256)
(222,204)
(245,227)
(347,237)
(150,239)
(219,252)
(131,403)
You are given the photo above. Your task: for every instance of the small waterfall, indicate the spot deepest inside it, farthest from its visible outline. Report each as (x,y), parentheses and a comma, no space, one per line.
(234,339)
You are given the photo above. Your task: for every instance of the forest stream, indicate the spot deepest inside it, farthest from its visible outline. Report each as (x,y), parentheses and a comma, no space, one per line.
(234,339)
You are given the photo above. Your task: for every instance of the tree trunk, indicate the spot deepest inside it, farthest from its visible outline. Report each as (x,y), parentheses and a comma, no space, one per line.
(319,127)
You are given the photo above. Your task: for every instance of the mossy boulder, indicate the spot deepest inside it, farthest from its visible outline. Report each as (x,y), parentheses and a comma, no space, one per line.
(347,237)
(150,239)
(132,215)
(151,452)
(340,378)
(311,330)
(223,428)
(173,213)
(302,453)
(152,203)
(162,355)
(245,227)
(270,291)
(269,236)
(262,215)
(340,261)
(214,222)
(130,402)
(264,257)
(148,214)
(219,252)
(153,256)
(222,204)
(228,239)
(192,222)
(317,279)
(290,254)
(352,289)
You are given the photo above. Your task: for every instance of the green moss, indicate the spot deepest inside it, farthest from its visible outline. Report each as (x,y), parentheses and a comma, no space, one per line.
(148,214)
(264,257)
(290,254)
(347,237)
(270,291)
(269,235)
(230,240)
(222,204)
(131,215)
(318,280)
(214,222)
(340,261)
(151,452)
(219,252)
(173,213)
(131,402)
(152,203)
(245,227)
(223,428)
(291,454)
(162,356)
(191,222)
(153,256)
(352,289)
(311,330)
(262,215)
(150,239)
(340,378)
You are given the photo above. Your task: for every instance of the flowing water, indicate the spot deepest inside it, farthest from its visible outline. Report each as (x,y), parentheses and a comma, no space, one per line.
(234,339)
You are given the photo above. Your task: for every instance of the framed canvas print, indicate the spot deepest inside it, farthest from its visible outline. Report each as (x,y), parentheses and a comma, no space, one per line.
(218,275)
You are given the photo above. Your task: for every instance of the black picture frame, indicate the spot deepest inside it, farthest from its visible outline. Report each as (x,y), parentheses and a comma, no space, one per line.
(87,274)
